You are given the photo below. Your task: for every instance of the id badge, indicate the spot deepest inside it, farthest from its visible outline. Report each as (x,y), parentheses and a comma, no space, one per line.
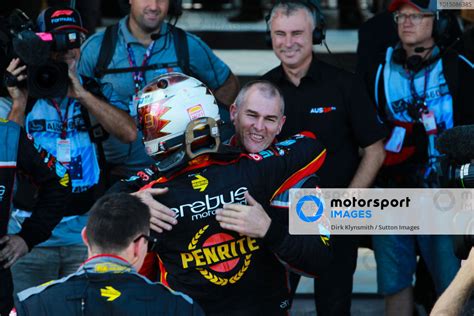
(395,142)
(63,150)
(429,122)
(132,106)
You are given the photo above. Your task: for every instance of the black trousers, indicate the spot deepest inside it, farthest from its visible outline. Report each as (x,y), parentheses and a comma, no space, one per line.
(333,289)
(6,292)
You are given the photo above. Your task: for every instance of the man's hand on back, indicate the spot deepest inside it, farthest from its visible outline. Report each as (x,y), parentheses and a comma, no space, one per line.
(249,220)
(162,217)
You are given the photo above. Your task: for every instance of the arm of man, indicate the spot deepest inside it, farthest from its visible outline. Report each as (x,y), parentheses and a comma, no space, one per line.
(451,302)
(298,253)
(54,191)
(227,93)
(115,121)
(162,217)
(368,132)
(19,95)
(372,159)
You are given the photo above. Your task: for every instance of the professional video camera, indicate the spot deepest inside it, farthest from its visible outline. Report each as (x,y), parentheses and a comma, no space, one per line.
(46,78)
(458,145)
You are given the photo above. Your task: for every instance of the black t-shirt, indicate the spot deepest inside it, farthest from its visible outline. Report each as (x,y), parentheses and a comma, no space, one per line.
(335,106)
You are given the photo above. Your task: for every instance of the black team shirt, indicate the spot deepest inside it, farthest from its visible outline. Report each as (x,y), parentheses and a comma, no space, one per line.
(334,105)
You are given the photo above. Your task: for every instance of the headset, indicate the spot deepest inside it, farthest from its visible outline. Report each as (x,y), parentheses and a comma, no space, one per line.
(439,33)
(319,32)
(175,9)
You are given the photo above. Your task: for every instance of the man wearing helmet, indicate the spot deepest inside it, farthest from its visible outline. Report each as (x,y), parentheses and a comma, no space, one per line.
(200,257)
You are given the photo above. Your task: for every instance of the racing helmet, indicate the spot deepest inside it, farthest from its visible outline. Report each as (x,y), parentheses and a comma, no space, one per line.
(166,107)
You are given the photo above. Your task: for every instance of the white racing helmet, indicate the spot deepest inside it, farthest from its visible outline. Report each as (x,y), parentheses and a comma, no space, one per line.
(167,105)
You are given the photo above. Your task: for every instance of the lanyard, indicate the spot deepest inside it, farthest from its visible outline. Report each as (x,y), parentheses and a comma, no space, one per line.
(415,94)
(63,120)
(139,76)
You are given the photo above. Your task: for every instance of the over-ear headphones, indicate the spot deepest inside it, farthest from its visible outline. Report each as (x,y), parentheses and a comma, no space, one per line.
(415,62)
(319,32)
(175,9)
(441,24)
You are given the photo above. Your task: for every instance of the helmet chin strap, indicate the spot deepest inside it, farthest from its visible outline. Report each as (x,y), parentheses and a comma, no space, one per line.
(195,130)
(191,137)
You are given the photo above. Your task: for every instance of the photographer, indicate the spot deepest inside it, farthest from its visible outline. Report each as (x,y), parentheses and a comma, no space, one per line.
(454,298)
(59,124)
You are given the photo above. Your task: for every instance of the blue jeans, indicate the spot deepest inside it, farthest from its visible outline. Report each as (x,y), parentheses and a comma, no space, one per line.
(396,261)
(44,264)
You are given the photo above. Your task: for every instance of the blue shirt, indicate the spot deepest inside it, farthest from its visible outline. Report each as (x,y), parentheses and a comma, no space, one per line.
(120,88)
(45,124)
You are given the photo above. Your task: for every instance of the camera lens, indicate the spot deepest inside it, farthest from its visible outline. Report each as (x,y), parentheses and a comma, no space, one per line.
(46,77)
(48,80)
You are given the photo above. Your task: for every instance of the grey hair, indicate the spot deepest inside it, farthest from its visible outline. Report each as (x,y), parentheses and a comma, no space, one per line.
(289,8)
(266,88)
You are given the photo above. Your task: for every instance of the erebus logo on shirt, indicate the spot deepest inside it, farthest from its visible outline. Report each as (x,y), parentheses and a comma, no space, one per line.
(207,207)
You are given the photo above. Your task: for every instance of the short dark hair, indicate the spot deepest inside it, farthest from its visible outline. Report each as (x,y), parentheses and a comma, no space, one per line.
(115,220)
(268,89)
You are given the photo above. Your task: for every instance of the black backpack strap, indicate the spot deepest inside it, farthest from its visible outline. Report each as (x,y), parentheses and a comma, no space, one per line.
(107,49)
(451,71)
(181,48)
(182,51)
(98,135)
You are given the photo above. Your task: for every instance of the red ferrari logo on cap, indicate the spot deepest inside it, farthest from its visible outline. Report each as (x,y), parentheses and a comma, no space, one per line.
(61,13)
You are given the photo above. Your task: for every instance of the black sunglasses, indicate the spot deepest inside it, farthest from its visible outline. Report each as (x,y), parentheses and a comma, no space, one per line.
(152,241)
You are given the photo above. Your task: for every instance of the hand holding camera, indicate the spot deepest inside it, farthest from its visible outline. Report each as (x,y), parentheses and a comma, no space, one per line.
(14,76)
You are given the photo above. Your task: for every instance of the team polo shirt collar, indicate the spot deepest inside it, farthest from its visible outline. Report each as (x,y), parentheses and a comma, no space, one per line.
(128,36)
(313,73)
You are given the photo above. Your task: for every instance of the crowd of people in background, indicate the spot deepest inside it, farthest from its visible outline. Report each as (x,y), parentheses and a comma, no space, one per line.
(101,177)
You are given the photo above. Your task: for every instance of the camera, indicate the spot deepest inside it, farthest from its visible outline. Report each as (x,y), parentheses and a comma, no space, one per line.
(458,146)
(456,175)
(46,78)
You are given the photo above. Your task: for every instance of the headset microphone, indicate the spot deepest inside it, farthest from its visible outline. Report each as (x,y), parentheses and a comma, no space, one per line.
(419,50)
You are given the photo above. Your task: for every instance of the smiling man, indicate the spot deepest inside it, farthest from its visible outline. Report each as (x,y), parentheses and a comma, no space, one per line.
(258,116)
(333,105)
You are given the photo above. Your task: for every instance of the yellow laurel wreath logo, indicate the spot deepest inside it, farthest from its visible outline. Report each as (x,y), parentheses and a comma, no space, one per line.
(241,272)
(211,277)
(192,245)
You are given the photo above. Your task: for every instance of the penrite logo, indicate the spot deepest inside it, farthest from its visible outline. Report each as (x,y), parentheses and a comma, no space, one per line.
(219,254)
(206,208)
